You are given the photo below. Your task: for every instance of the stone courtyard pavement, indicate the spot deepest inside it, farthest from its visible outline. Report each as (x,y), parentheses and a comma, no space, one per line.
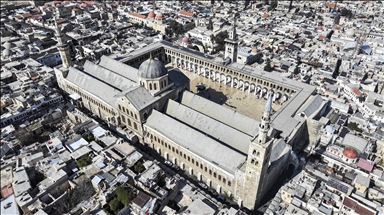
(235,99)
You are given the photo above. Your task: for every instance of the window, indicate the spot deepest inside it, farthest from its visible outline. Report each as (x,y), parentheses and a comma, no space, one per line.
(165,144)
(154,86)
(129,123)
(189,158)
(210,172)
(119,107)
(173,149)
(150,86)
(229,183)
(135,126)
(201,166)
(122,118)
(193,161)
(214,175)
(205,169)
(185,157)
(177,151)
(197,163)
(219,177)
(135,116)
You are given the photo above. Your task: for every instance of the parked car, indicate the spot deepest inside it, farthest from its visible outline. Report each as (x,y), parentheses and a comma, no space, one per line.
(168,163)
(202,185)
(221,198)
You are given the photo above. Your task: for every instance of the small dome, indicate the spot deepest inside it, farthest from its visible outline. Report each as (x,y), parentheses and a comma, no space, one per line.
(152,68)
(350,32)
(151,15)
(185,40)
(159,15)
(350,153)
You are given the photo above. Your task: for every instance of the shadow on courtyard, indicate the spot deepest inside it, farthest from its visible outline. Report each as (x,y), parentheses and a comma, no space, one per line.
(213,95)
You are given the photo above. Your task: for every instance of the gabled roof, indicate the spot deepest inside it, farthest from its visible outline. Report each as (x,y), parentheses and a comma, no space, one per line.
(137,15)
(196,142)
(224,115)
(186,13)
(118,81)
(205,124)
(139,97)
(119,68)
(91,84)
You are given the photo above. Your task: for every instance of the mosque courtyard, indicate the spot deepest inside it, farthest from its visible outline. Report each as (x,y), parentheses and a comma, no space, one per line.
(229,97)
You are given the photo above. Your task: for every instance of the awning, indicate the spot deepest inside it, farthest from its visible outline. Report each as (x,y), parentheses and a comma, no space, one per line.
(364,164)
(366,48)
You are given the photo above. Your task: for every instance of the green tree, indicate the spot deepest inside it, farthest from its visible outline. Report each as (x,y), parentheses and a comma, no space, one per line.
(176,27)
(84,161)
(124,195)
(268,66)
(139,167)
(219,39)
(115,205)
(273,4)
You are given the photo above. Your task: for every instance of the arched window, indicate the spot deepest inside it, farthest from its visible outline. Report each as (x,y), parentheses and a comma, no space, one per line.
(161,85)
(150,86)
(219,177)
(210,172)
(135,125)
(129,123)
(214,175)
(122,118)
(229,183)
(154,86)
(205,169)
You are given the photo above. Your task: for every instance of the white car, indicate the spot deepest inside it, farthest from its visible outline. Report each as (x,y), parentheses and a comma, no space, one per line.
(168,163)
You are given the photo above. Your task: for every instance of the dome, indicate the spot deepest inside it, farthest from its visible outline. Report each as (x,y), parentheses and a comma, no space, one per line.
(350,153)
(159,15)
(350,32)
(152,68)
(151,15)
(185,40)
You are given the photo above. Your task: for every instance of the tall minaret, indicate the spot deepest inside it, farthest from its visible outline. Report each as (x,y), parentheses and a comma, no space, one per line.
(232,43)
(252,187)
(63,48)
(265,121)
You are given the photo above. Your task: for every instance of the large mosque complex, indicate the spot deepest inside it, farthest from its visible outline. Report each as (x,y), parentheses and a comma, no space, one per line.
(223,148)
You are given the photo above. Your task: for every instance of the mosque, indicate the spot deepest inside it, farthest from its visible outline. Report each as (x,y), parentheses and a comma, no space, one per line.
(228,151)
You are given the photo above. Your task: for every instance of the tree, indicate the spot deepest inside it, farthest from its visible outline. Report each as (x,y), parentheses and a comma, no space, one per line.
(124,195)
(210,25)
(273,4)
(176,27)
(139,167)
(115,205)
(268,66)
(84,161)
(219,39)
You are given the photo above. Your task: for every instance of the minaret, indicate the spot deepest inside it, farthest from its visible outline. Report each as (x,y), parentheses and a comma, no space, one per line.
(251,188)
(265,121)
(231,43)
(63,48)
